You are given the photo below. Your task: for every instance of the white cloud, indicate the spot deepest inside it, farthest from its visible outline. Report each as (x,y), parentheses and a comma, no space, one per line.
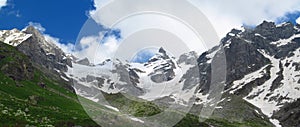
(37,26)
(233,13)
(95,51)
(225,15)
(3,3)
(67,48)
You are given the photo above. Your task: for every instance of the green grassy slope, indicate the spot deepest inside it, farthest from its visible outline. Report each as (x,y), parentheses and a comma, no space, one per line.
(24,102)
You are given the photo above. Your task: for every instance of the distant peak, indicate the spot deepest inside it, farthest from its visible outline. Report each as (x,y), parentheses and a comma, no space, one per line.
(266,24)
(162,50)
(32,30)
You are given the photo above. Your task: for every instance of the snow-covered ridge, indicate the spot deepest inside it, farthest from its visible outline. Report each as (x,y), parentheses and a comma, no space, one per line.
(265,96)
(111,74)
(13,37)
(282,42)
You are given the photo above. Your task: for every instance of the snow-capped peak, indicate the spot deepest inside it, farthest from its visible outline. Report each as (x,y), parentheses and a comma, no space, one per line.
(13,37)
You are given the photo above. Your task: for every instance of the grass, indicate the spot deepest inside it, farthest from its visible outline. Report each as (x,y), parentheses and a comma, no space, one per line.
(34,105)
(135,107)
(30,104)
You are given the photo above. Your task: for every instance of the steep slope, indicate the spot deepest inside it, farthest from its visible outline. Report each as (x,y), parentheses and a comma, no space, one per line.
(43,52)
(29,97)
(262,67)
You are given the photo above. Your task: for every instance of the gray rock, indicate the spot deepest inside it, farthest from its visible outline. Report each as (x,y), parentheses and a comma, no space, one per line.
(43,53)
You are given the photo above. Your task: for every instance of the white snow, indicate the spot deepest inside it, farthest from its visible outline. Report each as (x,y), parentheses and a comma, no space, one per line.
(83,94)
(81,71)
(227,44)
(113,108)
(267,107)
(218,107)
(203,99)
(170,88)
(231,34)
(256,34)
(91,98)
(13,37)
(64,78)
(238,84)
(289,89)
(282,42)
(136,119)
(257,111)
(275,122)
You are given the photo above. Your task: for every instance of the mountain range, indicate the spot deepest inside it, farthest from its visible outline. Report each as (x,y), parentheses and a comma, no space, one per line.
(250,79)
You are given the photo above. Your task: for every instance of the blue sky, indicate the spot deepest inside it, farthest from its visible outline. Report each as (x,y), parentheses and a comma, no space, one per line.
(144,55)
(292,17)
(61,18)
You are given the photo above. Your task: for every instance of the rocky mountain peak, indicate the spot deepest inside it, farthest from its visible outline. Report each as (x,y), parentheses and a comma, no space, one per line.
(266,25)
(32,30)
(44,52)
(162,50)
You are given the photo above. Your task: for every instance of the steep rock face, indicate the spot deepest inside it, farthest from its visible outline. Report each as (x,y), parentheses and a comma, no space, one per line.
(44,53)
(15,64)
(289,114)
(242,58)
(262,68)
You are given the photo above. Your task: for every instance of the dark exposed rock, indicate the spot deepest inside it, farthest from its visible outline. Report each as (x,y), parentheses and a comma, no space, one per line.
(44,53)
(274,33)
(246,89)
(289,115)
(191,78)
(188,58)
(240,56)
(14,64)
(129,80)
(90,78)
(277,82)
(297,66)
(42,84)
(133,76)
(245,53)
